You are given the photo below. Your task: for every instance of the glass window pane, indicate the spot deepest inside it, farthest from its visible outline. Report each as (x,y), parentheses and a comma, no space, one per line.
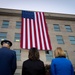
(5,24)
(66,54)
(18,57)
(59,39)
(72,39)
(3,36)
(72,42)
(60,42)
(18,24)
(17,36)
(18,54)
(49,56)
(68,28)
(56,27)
(51,53)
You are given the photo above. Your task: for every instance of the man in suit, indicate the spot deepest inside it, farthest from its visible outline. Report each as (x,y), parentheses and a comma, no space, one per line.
(7,59)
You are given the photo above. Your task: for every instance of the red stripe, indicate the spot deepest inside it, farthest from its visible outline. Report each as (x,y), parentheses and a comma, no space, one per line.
(30,35)
(43,31)
(35,35)
(47,33)
(39,31)
(26,35)
(21,41)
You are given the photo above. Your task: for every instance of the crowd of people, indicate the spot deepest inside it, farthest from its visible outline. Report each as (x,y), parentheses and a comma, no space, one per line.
(60,65)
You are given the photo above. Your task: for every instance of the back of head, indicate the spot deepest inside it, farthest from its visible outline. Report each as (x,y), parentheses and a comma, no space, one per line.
(33,54)
(59,52)
(6,43)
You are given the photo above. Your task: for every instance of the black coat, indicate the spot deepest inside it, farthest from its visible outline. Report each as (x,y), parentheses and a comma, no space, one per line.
(31,67)
(7,61)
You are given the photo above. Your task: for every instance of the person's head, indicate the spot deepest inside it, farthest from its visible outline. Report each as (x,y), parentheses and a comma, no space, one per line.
(6,43)
(33,54)
(59,52)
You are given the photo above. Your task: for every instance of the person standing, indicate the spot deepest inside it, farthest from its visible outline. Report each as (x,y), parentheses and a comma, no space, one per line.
(7,59)
(61,65)
(33,65)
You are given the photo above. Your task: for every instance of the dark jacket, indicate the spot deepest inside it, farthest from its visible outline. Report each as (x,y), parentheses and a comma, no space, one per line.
(61,66)
(32,67)
(7,61)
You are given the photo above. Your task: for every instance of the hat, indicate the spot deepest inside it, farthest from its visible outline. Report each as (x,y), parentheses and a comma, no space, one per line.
(6,41)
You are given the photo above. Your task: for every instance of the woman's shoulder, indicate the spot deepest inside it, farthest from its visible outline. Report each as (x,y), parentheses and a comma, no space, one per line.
(26,61)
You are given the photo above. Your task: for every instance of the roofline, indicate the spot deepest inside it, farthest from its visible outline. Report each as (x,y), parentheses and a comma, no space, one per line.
(53,16)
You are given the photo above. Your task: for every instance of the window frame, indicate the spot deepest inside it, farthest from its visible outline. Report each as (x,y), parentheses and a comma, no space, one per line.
(18,24)
(49,55)
(5,24)
(56,27)
(68,28)
(72,40)
(2,37)
(59,40)
(18,55)
(16,38)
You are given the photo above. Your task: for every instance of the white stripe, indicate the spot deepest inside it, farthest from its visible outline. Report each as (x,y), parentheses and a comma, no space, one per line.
(45,32)
(33,39)
(37,35)
(41,34)
(28,34)
(24,39)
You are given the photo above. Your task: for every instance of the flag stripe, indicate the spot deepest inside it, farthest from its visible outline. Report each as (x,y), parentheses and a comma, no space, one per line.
(33,39)
(37,32)
(50,47)
(24,33)
(21,45)
(44,43)
(35,35)
(30,34)
(34,31)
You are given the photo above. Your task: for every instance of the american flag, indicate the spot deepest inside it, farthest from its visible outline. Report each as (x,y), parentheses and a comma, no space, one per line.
(34,31)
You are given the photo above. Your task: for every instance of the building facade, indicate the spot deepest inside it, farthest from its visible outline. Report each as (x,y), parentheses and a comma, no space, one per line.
(61,28)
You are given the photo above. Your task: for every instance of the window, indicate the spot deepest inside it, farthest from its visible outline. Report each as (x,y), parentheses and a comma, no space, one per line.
(18,24)
(59,39)
(5,24)
(72,39)
(56,27)
(17,36)
(18,54)
(68,28)
(49,55)
(3,36)
(66,54)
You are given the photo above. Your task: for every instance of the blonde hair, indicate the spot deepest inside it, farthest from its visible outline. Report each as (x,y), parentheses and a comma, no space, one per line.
(59,52)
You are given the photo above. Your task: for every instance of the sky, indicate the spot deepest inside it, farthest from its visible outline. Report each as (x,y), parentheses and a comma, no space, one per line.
(53,6)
